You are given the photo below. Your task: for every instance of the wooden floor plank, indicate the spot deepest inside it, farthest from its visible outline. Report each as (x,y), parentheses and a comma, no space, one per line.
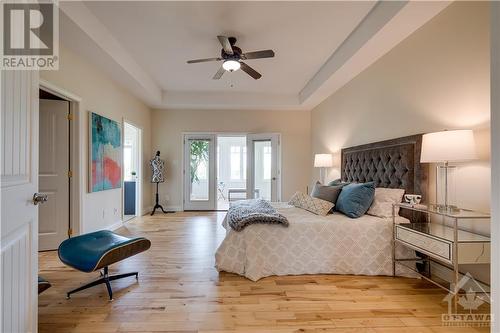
(179,290)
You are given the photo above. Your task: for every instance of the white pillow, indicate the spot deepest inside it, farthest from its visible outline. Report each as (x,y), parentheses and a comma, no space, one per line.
(383,200)
(314,205)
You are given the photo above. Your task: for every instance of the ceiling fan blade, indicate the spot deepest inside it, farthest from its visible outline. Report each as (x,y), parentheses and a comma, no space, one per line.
(226,45)
(258,54)
(219,73)
(250,71)
(203,60)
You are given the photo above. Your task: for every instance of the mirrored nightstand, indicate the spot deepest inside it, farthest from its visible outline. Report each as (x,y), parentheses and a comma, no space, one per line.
(441,241)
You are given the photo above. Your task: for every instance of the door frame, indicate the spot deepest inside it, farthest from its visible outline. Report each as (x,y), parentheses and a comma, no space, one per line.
(76,151)
(216,134)
(140,179)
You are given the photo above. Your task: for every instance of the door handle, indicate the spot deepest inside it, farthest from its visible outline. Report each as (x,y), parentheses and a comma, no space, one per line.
(39,198)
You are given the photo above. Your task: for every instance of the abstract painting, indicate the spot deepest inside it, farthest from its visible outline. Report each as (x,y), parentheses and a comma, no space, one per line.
(105,151)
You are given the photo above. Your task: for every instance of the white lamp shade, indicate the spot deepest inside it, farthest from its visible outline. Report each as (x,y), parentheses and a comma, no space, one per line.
(323,161)
(448,146)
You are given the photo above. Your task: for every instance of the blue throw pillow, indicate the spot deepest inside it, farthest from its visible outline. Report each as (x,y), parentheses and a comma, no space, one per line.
(355,199)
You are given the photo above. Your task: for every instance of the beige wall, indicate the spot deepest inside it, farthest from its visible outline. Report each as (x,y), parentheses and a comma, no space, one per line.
(436,79)
(294,126)
(101,95)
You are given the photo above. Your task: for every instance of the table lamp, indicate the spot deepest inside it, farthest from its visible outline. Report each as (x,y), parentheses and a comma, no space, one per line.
(445,147)
(323,161)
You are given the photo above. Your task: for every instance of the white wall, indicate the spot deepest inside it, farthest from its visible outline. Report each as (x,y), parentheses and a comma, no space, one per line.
(438,78)
(294,126)
(101,95)
(495,159)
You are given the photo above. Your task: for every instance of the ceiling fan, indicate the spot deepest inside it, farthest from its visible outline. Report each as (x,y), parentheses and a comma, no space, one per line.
(233,56)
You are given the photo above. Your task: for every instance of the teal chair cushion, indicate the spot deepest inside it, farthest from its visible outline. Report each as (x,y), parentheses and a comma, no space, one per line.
(95,250)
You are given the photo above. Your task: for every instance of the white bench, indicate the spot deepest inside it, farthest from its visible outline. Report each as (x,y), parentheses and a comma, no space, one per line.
(240,190)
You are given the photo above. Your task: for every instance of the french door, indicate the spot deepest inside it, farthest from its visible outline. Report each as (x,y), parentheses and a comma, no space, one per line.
(263,166)
(199,172)
(202,187)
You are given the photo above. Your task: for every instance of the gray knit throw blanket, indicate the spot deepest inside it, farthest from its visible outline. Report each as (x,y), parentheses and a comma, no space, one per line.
(246,212)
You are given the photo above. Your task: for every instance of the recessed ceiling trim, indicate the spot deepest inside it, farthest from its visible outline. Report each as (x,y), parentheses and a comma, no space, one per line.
(385,26)
(380,14)
(230,100)
(86,20)
(408,19)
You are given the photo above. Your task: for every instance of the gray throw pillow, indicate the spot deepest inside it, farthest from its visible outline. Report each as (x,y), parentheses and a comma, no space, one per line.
(325,192)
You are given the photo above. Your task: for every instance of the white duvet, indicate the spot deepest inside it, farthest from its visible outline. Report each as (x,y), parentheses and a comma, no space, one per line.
(312,244)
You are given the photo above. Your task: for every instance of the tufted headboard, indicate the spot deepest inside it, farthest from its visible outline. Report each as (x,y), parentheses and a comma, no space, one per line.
(392,163)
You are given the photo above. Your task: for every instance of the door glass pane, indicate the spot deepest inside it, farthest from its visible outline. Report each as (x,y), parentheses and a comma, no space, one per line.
(199,169)
(262,169)
(231,170)
(130,152)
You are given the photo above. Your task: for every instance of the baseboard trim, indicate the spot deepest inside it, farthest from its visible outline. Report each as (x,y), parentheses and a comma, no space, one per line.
(149,209)
(173,208)
(115,226)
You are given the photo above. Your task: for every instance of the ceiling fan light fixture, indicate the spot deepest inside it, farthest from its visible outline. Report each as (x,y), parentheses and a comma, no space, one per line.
(231,65)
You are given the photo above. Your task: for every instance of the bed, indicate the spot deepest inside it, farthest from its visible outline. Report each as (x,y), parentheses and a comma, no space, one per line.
(332,244)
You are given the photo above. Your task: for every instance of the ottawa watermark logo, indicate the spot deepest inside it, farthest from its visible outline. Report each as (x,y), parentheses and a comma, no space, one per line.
(465,310)
(30,36)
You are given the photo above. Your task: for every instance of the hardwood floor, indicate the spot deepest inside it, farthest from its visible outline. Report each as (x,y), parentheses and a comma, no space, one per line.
(179,290)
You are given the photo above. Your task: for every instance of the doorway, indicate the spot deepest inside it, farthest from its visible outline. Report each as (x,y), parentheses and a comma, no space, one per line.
(54,170)
(222,168)
(132,171)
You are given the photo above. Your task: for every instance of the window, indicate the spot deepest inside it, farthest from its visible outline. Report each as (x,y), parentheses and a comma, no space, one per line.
(127,158)
(201,171)
(218,162)
(267,163)
(244,158)
(235,162)
(238,165)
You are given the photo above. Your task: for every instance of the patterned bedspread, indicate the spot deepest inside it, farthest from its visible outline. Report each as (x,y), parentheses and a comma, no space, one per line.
(312,244)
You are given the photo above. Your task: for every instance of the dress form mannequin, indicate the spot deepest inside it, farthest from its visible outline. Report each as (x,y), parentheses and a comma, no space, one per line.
(157,168)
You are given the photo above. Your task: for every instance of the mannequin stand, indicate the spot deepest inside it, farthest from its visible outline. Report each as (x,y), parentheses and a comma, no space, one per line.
(157,204)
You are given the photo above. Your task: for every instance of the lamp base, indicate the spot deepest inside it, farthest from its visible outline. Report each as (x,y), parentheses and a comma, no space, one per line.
(446,185)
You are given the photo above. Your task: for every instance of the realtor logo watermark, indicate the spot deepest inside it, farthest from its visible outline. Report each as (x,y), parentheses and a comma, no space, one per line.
(30,36)
(470,303)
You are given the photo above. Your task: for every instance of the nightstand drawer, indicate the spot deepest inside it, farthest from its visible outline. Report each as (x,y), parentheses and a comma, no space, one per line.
(432,246)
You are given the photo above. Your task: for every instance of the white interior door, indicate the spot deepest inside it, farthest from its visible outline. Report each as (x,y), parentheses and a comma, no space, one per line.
(19,216)
(263,166)
(199,172)
(53,173)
